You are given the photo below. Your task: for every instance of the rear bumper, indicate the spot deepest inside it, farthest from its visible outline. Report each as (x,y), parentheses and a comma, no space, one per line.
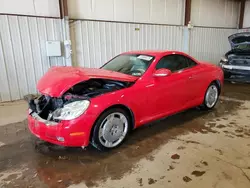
(75,133)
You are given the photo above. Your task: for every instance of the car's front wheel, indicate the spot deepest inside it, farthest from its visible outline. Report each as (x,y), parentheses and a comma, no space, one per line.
(211,97)
(111,129)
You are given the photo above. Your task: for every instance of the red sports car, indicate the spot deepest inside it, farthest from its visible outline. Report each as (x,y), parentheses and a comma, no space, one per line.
(80,106)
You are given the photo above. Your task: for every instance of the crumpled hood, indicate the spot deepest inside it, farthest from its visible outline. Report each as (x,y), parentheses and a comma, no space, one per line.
(60,79)
(239,38)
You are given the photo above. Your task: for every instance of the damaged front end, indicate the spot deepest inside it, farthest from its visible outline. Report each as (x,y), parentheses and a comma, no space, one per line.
(74,102)
(236,62)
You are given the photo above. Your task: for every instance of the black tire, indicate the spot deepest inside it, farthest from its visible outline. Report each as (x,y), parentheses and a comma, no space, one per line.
(205,105)
(95,140)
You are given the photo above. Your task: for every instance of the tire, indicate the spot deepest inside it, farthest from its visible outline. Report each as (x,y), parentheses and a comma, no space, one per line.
(211,97)
(111,129)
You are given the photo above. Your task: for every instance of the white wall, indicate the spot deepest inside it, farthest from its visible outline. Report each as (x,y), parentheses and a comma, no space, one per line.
(23,58)
(210,44)
(143,11)
(92,48)
(48,8)
(215,13)
(243,30)
(246,22)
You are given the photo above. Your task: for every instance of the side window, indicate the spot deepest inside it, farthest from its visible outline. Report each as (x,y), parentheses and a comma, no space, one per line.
(191,63)
(166,62)
(181,62)
(173,63)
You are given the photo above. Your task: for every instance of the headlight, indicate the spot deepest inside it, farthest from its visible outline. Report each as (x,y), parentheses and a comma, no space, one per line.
(223,61)
(71,111)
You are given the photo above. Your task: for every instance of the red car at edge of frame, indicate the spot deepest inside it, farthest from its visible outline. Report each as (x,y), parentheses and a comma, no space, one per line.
(79,106)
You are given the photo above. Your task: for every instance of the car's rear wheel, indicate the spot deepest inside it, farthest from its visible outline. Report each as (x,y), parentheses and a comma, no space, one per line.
(211,97)
(111,129)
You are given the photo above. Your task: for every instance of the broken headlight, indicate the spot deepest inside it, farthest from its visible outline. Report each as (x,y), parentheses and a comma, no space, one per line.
(71,111)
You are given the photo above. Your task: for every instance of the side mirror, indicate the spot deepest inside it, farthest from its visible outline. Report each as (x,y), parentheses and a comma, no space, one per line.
(162,73)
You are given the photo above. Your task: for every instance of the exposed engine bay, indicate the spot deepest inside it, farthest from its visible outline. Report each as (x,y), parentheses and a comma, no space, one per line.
(44,106)
(241,59)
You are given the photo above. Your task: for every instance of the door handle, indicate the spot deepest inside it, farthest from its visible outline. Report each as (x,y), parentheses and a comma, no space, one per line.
(190,77)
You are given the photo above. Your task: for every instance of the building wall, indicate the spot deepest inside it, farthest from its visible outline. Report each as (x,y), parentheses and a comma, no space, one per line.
(246,22)
(244,30)
(209,44)
(215,13)
(92,48)
(102,29)
(141,11)
(120,32)
(23,57)
(48,8)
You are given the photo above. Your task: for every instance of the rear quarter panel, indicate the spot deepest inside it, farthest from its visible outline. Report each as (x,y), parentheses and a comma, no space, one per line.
(210,73)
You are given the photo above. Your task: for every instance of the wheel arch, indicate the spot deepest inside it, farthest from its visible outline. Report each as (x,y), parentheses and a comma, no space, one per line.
(218,84)
(121,106)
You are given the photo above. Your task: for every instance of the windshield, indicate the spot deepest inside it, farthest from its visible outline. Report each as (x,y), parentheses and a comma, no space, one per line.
(131,64)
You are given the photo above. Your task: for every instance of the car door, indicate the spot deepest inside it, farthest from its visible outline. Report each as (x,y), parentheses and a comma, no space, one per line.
(170,92)
(194,82)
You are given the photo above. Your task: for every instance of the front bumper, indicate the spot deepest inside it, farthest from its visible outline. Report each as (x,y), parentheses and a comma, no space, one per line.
(74,133)
(236,73)
(236,70)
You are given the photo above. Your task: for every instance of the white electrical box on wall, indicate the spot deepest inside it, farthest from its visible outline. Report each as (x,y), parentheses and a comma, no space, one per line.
(53,48)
